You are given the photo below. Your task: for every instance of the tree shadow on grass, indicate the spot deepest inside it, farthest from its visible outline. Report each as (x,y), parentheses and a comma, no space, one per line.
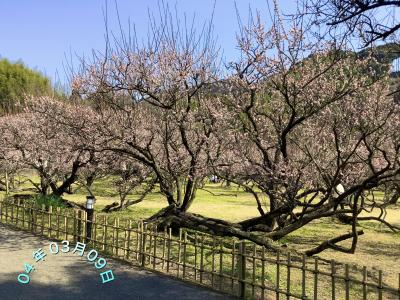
(388,250)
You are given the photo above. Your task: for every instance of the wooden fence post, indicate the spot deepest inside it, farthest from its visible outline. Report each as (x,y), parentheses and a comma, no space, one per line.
(164,247)
(242,269)
(74,230)
(104,237)
(128,240)
(202,259)
(138,240)
(94,229)
(23,214)
(179,251)
(263,273)
(79,229)
(316,272)
(195,256)
(364,283)
(221,255)
(42,218)
(115,235)
(213,262)
(7,185)
(17,217)
(32,219)
(380,287)
(66,224)
(184,254)
(58,212)
(333,271)
(169,248)
(346,281)
(49,221)
(303,277)
(288,276)
(6,213)
(12,213)
(143,244)
(154,247)
(278,265)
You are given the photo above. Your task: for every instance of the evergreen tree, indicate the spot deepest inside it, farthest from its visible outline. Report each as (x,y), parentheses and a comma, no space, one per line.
(17,81)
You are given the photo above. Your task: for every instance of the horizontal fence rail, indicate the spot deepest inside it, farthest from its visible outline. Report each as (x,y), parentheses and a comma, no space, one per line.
(236,267)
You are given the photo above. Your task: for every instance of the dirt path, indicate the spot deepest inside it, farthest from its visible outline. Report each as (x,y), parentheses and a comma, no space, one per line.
(69,276)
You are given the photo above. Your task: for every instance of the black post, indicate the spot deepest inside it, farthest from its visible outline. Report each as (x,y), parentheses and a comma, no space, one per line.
(242,269)
(89,222)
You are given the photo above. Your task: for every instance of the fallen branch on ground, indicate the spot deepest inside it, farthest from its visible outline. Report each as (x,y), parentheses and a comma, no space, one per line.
(331,244)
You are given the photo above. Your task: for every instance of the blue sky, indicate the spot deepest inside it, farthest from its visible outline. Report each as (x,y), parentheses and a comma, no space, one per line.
(42,33)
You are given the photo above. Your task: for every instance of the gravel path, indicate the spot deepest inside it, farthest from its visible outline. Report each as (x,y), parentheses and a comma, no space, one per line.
(69,276)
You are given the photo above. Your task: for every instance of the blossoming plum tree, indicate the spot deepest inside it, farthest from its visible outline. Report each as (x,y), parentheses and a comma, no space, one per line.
(39,139)
(296,116)
(308,116)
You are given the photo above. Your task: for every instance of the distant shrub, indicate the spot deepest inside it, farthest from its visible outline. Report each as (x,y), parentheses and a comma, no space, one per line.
(48,200)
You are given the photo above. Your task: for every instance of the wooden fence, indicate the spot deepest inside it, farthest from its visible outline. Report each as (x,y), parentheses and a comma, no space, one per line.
(239,268)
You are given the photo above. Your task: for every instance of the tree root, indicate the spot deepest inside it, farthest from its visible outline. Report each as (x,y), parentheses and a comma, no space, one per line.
(111,207)
(172,216)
